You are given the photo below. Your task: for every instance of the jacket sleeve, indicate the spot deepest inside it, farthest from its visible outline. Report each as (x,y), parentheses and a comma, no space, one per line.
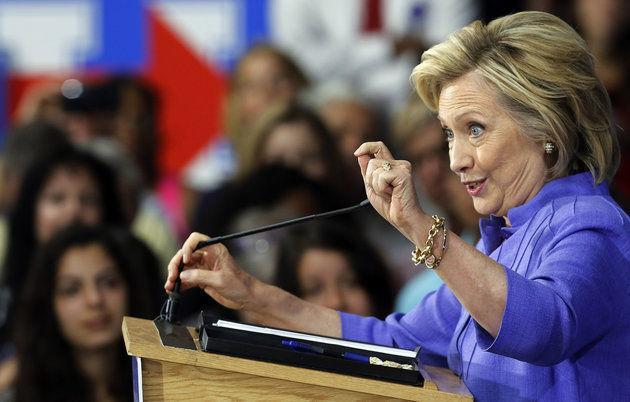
(430,324)
(572,295)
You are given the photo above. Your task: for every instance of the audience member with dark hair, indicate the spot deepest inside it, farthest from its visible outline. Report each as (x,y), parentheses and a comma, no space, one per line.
(294,136)
(68,187)
(22,148)
(334,266)
(68,337)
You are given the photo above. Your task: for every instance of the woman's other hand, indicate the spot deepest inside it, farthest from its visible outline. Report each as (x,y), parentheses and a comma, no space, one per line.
(214,270)
(389,186)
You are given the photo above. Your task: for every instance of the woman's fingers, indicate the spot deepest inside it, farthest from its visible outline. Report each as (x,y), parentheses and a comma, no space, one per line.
(380,173)
(184,254)
(375,149)
(190,244)
(173,268)
(372,156)
(198,278)
(363,163)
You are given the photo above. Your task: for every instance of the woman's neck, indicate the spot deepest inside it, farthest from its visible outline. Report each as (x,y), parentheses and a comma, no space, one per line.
(97,366)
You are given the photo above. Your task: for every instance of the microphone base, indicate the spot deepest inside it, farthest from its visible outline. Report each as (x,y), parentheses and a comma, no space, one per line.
(173,335)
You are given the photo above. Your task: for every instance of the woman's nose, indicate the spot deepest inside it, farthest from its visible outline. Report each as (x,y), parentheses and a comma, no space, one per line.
(73,209)
(460,156)
(93,295)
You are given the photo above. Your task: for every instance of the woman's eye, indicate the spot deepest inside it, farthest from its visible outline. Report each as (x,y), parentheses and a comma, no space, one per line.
(111,282)
(54,198)
(68,290)
(476,130)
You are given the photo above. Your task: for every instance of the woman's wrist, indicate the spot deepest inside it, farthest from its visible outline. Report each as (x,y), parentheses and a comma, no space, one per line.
(269,305)
(418,228)
(258,303)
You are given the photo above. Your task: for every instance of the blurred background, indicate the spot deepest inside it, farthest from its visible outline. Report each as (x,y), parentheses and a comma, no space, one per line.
(127,124)
(190,100)
(186,50)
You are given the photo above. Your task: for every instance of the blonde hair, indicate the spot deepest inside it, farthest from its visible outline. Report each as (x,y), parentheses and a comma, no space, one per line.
(545,77)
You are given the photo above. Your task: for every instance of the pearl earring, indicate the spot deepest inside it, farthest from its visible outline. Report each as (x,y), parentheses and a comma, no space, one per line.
(549,147)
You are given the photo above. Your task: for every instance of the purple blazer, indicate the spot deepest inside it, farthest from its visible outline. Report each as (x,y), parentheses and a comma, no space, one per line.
(565,334)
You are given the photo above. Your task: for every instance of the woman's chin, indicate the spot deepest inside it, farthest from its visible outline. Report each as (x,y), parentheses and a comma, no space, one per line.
(484,208)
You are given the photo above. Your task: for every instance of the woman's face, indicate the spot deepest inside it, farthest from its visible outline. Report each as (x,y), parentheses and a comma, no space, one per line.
(69,196)
(262,82)
(350,123)
(295,145)
(500,168)
(90,298)
(326,278)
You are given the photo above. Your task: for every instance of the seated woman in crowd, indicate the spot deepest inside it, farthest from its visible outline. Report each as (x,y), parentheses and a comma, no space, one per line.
(68,332)
(69,186)
(66,187)
(331,265)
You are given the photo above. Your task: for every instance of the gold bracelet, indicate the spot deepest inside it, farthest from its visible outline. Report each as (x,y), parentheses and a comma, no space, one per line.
(426,255)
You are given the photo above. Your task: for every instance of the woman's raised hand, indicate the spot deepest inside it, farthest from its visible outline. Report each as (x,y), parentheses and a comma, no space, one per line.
(389,186)
(214,270)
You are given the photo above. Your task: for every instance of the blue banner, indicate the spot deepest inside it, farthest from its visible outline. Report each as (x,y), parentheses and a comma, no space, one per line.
(256,21)
(123,36)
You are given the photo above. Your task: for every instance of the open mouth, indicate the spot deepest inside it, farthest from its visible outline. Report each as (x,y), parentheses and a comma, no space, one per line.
(474,188)
(474,185)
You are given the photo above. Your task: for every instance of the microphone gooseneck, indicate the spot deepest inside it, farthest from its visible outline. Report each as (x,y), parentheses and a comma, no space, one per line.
(172,304)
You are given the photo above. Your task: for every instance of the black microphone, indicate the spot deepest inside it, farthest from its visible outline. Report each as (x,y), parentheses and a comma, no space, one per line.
(172,303)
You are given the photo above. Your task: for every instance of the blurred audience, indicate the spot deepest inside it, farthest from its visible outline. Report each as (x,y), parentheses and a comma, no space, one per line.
(372,44)
(294,136)
(22,148)
(264,78)
(351,120)
(89,109)
(605,25)
(141,206)
(269,195)
(68,338)
(332,265)
(68,186)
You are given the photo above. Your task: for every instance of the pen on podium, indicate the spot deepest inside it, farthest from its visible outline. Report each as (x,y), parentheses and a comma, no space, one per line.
(172,303)
(306,347)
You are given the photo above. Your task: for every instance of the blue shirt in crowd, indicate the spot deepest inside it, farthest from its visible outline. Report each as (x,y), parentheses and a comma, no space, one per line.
(565,333)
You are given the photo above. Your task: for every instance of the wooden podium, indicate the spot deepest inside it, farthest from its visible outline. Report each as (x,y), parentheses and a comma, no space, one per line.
(175,374)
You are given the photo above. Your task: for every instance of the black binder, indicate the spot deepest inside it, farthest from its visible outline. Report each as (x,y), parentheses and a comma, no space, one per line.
(272,345)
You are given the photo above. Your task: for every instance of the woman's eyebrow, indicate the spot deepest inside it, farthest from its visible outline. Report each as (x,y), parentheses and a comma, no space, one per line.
(463,113)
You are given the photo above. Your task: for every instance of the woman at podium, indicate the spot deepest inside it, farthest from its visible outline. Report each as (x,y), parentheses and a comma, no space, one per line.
(540,308)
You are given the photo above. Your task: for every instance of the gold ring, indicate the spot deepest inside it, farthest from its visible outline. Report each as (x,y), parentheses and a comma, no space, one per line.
(387,166)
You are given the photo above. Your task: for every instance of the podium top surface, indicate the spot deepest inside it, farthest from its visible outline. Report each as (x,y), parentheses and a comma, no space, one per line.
(142,340)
